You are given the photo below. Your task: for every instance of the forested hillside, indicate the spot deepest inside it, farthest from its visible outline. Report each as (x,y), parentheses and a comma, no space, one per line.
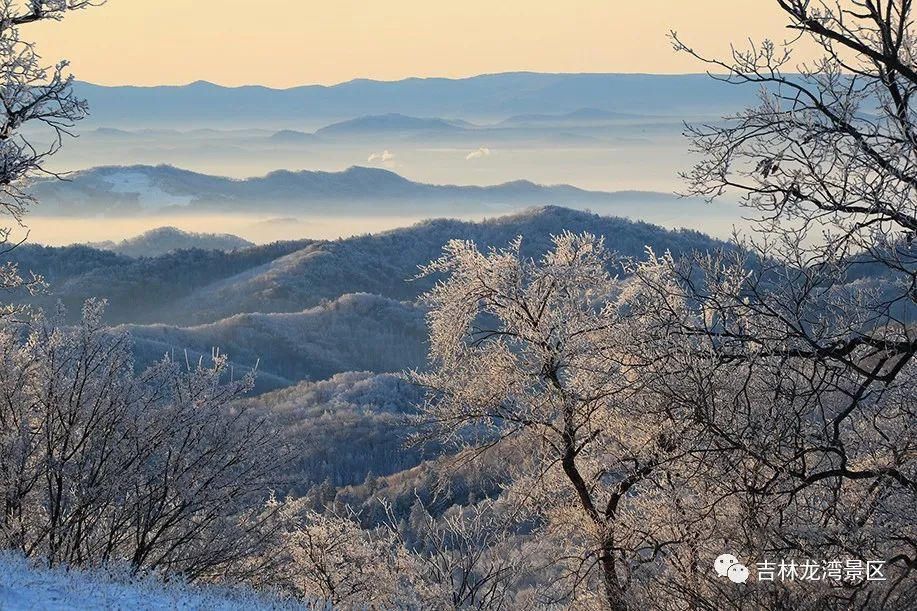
(136,288)
(165,240)
(347,429)
(354,332)
(196,286)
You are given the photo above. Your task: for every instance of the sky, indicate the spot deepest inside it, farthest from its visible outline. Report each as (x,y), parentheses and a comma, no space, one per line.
(284,43)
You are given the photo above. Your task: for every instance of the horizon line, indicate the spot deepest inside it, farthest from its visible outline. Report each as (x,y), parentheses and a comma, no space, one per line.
(385,81)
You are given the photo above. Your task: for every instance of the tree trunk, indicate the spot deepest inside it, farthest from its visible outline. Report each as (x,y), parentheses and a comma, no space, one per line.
(614,593)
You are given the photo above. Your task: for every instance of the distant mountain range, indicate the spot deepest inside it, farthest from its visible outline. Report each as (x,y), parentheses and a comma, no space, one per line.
(491,97)
(580,117)
(292,136)
(132,190)
(582,126)
(388,123)
(397,123)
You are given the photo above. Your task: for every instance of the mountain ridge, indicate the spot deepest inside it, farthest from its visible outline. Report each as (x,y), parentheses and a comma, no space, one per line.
(355,331)
(389,122)
(140,189)
(164,240)
(204,83)
(197,286)
(492,96)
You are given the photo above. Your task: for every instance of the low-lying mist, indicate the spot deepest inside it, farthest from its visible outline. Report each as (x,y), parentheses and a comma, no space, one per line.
(263,229)
(62,231)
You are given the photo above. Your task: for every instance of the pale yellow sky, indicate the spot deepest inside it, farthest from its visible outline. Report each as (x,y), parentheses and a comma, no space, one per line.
(283,43)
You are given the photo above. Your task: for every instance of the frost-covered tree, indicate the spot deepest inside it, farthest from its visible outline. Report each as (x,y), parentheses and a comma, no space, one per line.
(99,464)
(467,558)
(659,420)
(806,455)
(330,558)
(32,94)
(533,352)
(779,373)
(820,314)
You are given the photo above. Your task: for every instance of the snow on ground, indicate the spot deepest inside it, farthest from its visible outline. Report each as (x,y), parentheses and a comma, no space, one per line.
(24,587)
(150,194)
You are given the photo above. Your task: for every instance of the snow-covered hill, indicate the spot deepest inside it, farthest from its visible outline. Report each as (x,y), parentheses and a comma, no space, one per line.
(353,332)
(164,240)
(198,287)
(129,190)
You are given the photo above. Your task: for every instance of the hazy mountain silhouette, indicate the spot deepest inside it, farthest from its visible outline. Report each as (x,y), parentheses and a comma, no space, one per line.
(117,190)
(493,96)
(383,124)
(582,116)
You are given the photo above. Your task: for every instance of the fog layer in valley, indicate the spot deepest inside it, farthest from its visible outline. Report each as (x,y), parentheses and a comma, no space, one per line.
(514,134)
(57,231)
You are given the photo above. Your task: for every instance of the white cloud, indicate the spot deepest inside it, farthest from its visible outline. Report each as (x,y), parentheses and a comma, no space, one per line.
(478,154)
(384,157)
